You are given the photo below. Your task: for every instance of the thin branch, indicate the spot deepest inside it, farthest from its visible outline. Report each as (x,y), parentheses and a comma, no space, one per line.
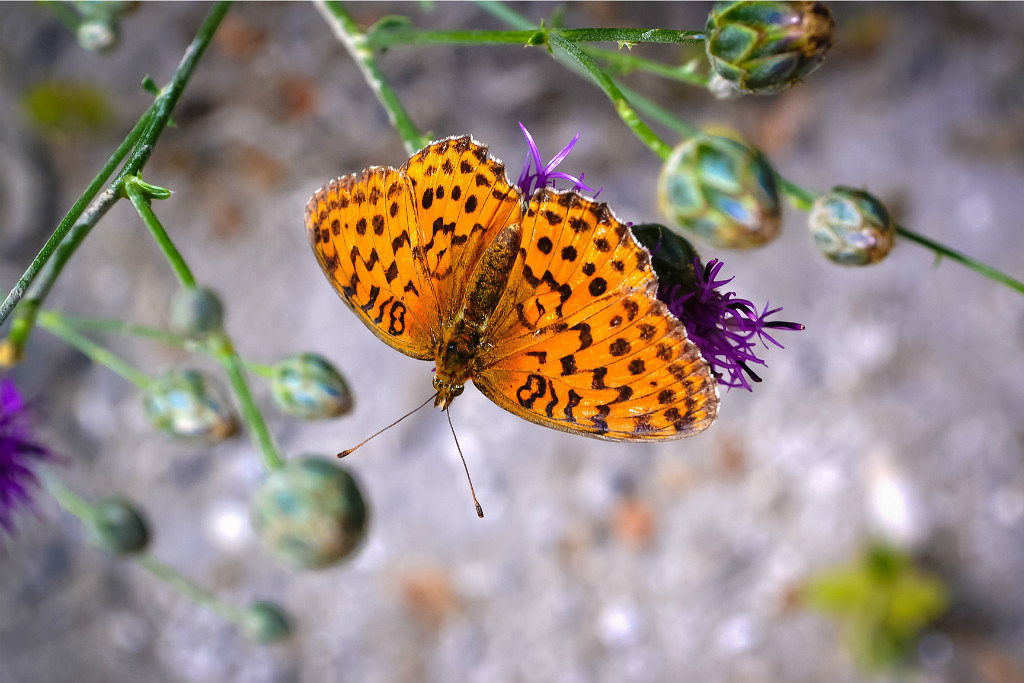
(352,37)
(73,229)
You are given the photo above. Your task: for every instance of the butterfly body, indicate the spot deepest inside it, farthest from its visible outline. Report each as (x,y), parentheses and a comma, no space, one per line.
(548,304)
(461,341)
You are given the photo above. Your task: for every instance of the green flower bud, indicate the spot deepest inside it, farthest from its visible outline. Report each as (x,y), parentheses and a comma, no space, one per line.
(764,47)
(851,227)
(186,404)
(722,191)
(118,527)
(97,35)
(310,513)
(672,256)
(307,386)
(265,623)
(195,312)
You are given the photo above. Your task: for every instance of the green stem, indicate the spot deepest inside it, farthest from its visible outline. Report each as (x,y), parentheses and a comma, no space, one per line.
(604,81)
(625,63)
(259,369)
(64,13)
(569,53)
(943,251)
(144,206)
(190,589)
(658,113)
(803,199)
(798,197)
(55,326)
(80,220)
(66,498)
(222,349)
(507,14)
(355,41)
(404,35)
(71,219)
(86,513)
(113,326)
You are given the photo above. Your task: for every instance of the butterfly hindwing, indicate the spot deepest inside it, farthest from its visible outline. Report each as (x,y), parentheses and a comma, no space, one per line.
(581,343)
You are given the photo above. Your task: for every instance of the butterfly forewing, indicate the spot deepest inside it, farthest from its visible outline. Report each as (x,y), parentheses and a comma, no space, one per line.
(462,199)
(361,230)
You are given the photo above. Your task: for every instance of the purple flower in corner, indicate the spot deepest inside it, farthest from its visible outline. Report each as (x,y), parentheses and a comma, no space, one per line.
(724,327)
(19,453)
(536,175)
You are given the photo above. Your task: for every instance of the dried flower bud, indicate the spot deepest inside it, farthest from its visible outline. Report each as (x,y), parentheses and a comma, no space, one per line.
(851,227)
(307,386)
(265,623)
(722,191)
(310,513)
(97,35)
(118,527)
(764,47)
(187,405)
(195,312)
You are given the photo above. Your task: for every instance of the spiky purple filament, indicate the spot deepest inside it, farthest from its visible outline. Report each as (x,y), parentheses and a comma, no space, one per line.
(724,327)
(18,454)
(546,175)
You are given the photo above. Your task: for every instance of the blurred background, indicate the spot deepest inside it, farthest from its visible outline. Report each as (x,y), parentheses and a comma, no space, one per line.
(895,417)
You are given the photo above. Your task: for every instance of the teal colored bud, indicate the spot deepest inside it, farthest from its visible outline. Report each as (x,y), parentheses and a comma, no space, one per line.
(118,527)
(310,513)
(195,312)
(187,405)
(307,386)
(764,47)
(97,35)
(722,191)
(265,623)
(851,227)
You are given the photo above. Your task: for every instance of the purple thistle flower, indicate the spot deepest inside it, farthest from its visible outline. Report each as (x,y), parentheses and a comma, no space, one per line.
(724,327)
(531,180)
(18,454)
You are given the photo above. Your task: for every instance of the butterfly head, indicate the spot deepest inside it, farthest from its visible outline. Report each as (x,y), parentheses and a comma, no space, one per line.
(446,392)
(454,357)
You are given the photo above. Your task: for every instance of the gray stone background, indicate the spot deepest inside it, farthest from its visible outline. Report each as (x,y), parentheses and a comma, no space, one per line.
(896,414)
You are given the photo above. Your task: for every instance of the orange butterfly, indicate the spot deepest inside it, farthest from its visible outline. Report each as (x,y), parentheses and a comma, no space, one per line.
(548,304)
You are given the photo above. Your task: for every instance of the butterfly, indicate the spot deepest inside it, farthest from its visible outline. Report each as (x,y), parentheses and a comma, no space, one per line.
(547,303)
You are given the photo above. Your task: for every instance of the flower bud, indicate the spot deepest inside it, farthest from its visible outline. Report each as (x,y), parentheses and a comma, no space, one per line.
(97,35)
(765,47)
(187,405)
(265,623)
(118,527)
(672,256)
(851,227)
(195,312)
(307,386)
(310,513)
(721,190)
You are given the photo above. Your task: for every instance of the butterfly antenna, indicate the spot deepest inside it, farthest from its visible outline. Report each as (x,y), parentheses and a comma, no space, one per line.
(381,431)
(479,510)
